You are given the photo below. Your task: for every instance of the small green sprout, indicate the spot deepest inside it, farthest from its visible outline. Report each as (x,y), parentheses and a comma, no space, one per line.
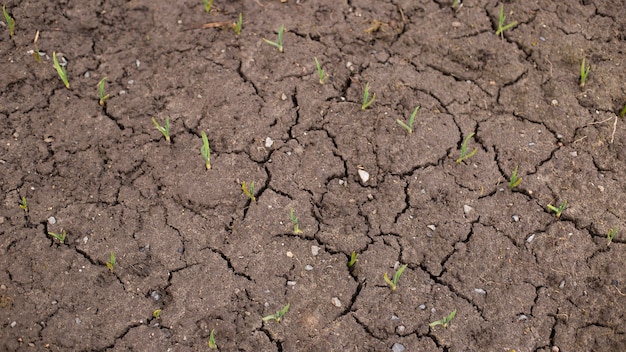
(164,130)
(24,204)
(248,191)
(456,3)
(10,21)
(501,26)
(279,42)
(36,53)
(464,154)
(205,150)
(320,72)
(294,221)
(558,210)
(393,284)
(366,97)
(156,314)
(207,5)
(237,25)
(445,321)
(103,97)
(409,127)
(111,263)
(584,72)
(353,259)
(60,70)
(59,236)
(278,315)
(623,112)
(515,179)
(611,235)
(212,345)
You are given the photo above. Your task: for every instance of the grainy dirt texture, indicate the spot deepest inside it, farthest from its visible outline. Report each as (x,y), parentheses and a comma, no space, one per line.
(188,241)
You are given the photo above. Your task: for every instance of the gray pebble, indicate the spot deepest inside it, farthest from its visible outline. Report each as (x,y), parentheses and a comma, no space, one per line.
(52,220)
(308,267)
(515,217)
(397,347)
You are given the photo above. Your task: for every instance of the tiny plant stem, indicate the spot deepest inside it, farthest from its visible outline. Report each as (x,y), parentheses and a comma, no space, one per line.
(111,263)
(278,315)
(60,70)
(24,204)
(464,155)
(211,343)
(366,97)
(622,113)
(393,284)
(207,5)
(103,97)
(559,210)
(205,150)
(36,53)
(238,25)
(248,191)
(584,72)
(611,235)
(320,72)
(278,44)
(501,26)
(445,321)
(353,259)
(515,179)
(165,131)
(294,221)
(156,314)
(59,236)
(9,20)
(409,127)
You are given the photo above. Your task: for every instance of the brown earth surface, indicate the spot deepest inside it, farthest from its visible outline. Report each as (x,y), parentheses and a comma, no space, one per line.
(190,243)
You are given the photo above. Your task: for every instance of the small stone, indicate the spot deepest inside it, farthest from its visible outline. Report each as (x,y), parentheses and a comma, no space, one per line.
(515,217)
(400,329)
(530,238)
(52,220)
(291,283)
(138,63)
(85,239)
(467,209)
(78,321)
(315,250)
(456,24)
(268,142)
(132,81)
(480,291)
(397,347)
(522,317)
(562,284)
(573,154)
(432,227)
(283,97)
(308,267)
(336,302)
(555,102)
(555,349)
(87,74)
(155,295)
(289,254)
(364,175)
(13,324)
(422,306)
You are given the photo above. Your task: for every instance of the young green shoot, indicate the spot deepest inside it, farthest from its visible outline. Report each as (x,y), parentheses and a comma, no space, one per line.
(156,314)
(393,284)
(353,259)
(584,72)
(278,315)
(237,25)
(515,179)
(60,70)
(164,130)
(205,150)
(36,53)
(559,210)
(212,345)
(445,321)
(501,26)
(10,21)
(320,72)
(111,263)
(207,5)
(464,155)
(366,97)
(409,127)
(611,235)
(59,236)
(103,97)
(456,4)
(623,112)
(23,204)
(279,42)
(294,221)
(248,191)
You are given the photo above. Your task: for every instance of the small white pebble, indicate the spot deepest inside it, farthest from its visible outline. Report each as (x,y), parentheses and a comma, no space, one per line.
(87,74)
(480,291)
(315,250)
(400,329)
(422,306)
(52,220)
(398,347)
(515,217)
(336,302)
(522,317)
(364,175)
(530,238)
(283,97)
(456,24)
(291,283)
(138,63)
(467,209)
(13,324)
(555,102)
(289,254)
(562,284)
(308,267)
(573,154)
(268,142)
(77,320)
(432,227)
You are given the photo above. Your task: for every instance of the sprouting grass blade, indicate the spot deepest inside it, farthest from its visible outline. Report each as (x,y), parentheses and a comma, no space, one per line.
(9,20)
(60,70)
(278,44)
(464,155)
(445,321)
(409,127)
(584,72)
(366,97)
(515,179)
(205,150)
(239,24)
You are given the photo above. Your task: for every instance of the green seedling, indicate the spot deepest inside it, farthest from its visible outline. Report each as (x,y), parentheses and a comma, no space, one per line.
(611,235)
(111,263)
(36,53)
(456,3)
(248,191)
(207,5)
(623,112)
(393,284)
(212,345)
(366,97)
(24,204)
(279,42)
(278,315)
(584,72)
(353,259)
(409,127)
(103,97)
(445,321)
(60,70)
(464,154)
(515,180)
(156,314)
(294,221)
(164,130)
(59,236)
(501,26)
(320,72)
(205,150)
(559,210)
(10,21)
(237,25)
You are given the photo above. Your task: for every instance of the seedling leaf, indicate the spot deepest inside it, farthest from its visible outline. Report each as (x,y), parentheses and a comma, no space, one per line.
(393,284)
(207,5)
(279,42)
(409,127)
(59,236)
(103,97)
(320,72)
(60,70)
(248,191)
(515,180)
(111,263)
(278,315)
(464,154)
(212,345)
(238,25)
(611,235)
(9,20)
(156,314)
(501,26)
(294,221)
(353,259)
(164,130)
(558,210)
(205,150)
(445,321)
(584,72)
(366,97)
(623,112)
(24,204)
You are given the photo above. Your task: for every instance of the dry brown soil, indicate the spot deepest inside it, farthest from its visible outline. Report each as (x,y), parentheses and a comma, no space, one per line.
(187,240)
